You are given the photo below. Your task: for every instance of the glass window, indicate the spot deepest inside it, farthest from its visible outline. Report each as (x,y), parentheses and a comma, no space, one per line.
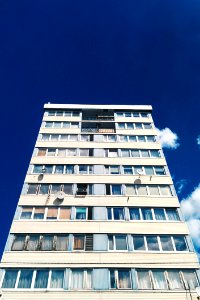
(138,242)
(45,137)
(18,244)
(190,279)
(68,189)
(155,153)
(149,170)
(110,242)
(51,152)
(47,243)
(62,243)
(79,242)
(74,125)
(146,214)
(141,138)
(9,279)
(111,138)
(123,138)
(130,125)
(66,124)
(83,169)
(134,213)
(75,113)
(73,137)
(57,124)
(144,115)
(116,189)
(124,281)
(136,114)
(67,113)
(147,125)
(62,152)
(145,153)
(77,279)
(44,189)
(150,138)
(159,170)
(138,125)
(112,153)
(128,170)
(159,280)
(159,214)
(59,113)
(85,138)
(119,114)
(49,124)
(152,243)
(48,169)
(33,243)
(57,279)
(130,189)
(26,213)
(144,282)
(120,242)
(37,169)
(59,169)
(172,214)
(132,138)
(65,213)
(55,188)
(51,113)
(54,137)
(84,152)
(41,152)
(135,153)
(64,137)
(71,152)
(118,213)
(153,190)
(41,279)
(39,213)
(114,169)
(121,125)
(109,213)
(52,213)
(25,279)
(174,280)
(180,243)
(142,190)
(125,153)
(165,190)
(127,114)
(69,169)
(166,243)
(80,213)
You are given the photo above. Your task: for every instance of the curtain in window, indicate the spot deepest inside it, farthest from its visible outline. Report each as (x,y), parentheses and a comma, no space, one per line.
(144,282)
(88,283)
(47,243)
(134,279)
(62,243)
(52,213)
(57,277)
(77,279)
(69,169)
(100,279)
(159,280)
(174,280)
(100,242)
(39,213)
(159,214)
(79,241)
(190,279)
(41,279)
(9,279)
(18,244)
(65,213)
(25,279)
(80,213)
(124,281)
(33,243)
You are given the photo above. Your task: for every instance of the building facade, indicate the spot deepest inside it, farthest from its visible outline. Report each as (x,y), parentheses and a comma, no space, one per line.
(98,216)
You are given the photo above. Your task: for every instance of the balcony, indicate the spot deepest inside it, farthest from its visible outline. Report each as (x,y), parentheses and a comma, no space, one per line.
(98,130)
(99,118)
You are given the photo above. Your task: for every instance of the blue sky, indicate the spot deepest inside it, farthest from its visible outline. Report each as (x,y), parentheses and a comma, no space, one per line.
(99,52)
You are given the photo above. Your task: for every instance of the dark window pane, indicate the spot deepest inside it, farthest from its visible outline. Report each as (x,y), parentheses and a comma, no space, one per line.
(79,242)
(116,189)
(44,189)
(180,243)
(80,213)
(33,243)
(109,212)
(25,279)
(55,188)
(9,279)
(146,214)
(152,243)
(159,214)
(134,213)
(124,281)
(32,188)
(47,243)
(112,280)
(18,244)
(138,242)
(172,214)
(68,189)
(118,213)
(41,279)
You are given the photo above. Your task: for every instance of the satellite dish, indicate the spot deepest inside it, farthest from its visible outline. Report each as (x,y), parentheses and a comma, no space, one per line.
(60,196)
(140,172)
(198,290)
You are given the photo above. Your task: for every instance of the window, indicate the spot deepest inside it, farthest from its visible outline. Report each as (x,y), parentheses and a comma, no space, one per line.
(64,137)
(120,242)
(57,279)
(49,124)
(52,213)
(45,137)
(159,214)
(121,125)
(81,213)
(124,281)
(65,213)
(32,188)
(146,214)
(77,279)
(130,125)
(190,279)
(48,169)
(127,114)
(145,153)
(116,189)
(41,279)
(26,213)
(165,190)
(149,170)
(39,213)
(134,213)
(118,213)
(71,152)
(59,169)
(44,189)
(152,243)
(79,242)
(68,189)
(144,115)
(144,282)
(41,152)
(150,138)
(83,169)
(47,243)
(123,138)
(132,138)
(138,125)
(125,153)
(33,243)
(172,214)
(85,138)
(111,138)
(112,153)
(57,125)
(114,169)
(180,243)
(142,190)
(166,243)
(130,189)
(69,169)
(128,170)
(135,153)
(141,138)
(84,152)
(155,153)
(159,280)
(174,280)
(54,137)
(62,243)
(66,124)
(25,279)
(18,244)
(55,188)
(73,137)
(153,190)
(9,279)
(159,170)
(147,125)
(37,169)
(138,242)
(62,152)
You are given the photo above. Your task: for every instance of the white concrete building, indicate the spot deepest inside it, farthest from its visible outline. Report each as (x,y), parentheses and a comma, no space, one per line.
(98,216)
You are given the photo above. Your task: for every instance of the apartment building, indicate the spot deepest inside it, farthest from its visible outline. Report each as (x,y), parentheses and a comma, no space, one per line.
(98,216)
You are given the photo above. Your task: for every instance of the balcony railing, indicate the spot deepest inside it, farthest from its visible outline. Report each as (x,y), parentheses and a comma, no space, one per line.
(99,118)
(98,130)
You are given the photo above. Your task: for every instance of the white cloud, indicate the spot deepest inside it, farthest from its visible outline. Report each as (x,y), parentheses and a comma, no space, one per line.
(168,138)
(198,140)
(191,210)
(180,185)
